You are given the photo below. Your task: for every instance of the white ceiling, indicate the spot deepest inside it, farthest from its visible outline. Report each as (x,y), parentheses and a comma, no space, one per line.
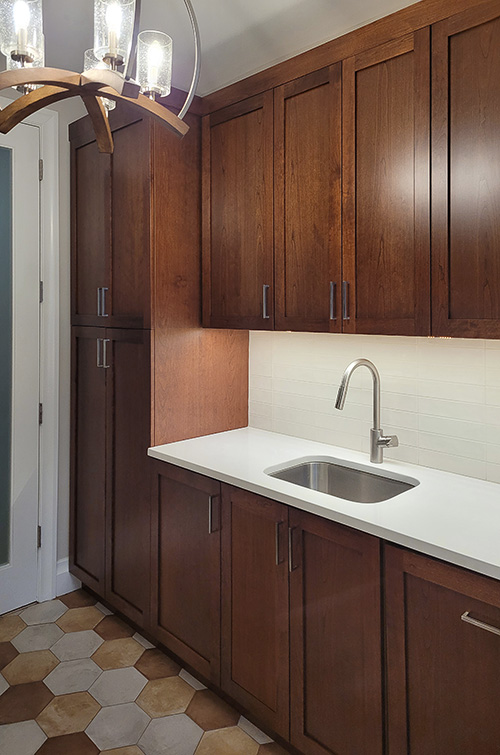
(239,37)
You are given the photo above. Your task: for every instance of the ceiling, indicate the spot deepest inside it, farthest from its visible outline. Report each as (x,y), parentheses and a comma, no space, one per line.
(239,37)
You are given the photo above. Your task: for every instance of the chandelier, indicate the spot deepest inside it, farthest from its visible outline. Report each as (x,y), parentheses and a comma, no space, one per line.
(108,67)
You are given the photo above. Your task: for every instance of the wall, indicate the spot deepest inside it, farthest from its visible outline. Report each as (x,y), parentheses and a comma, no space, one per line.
(440,396)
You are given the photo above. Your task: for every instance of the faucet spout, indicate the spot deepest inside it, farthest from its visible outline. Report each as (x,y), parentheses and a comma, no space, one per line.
(378,441)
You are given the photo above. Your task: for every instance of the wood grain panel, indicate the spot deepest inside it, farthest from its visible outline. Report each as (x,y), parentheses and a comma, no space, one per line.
(91,239)
(466,176)
(186,566)
(255,606)
(128,483)
(88,460)
(336,664)
(240,245)
(443,682)
(386,189)
(307,205)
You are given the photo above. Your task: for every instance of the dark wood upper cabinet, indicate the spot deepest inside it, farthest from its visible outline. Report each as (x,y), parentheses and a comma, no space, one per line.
(238,215)
(307,202)
(186,566)
(386,234)
(466,174)
(254,657)
(443,657)
(335,636)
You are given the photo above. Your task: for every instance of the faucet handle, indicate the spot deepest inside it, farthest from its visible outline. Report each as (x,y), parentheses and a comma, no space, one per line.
(388,441)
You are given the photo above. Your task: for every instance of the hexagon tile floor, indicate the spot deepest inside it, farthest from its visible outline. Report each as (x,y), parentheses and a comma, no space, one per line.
(76,680)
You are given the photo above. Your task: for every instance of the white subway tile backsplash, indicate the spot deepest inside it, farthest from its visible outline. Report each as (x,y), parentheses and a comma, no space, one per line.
(440,396)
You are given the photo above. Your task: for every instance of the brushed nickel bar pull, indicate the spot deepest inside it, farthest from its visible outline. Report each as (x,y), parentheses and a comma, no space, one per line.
(99,300)
(99,352)
(345,300)
(291,567)
(210,499)
(105,342)
(480,624)
(265,314)
(277,540)
(333,288)
(103,301)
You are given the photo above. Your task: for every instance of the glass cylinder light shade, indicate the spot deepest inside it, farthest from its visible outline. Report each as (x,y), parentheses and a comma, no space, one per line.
(154,63)
(90,63)
(21,31)
(113,30)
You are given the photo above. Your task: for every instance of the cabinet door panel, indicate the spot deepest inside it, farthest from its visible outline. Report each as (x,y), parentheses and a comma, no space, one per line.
(88,459)
(91,209)
(386,188)
(307,162)
(238,215)
(186,566)
(255,606)
(443,682)
(336,664)
(128,404)
(466,174)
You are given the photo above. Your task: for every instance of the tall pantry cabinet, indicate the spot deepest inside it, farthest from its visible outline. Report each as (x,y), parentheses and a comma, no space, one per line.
(143,370)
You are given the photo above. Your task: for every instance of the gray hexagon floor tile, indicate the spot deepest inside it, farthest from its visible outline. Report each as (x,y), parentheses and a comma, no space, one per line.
(75,645)
(37,637)
(73,676)
(4,685)
(191,679)
(121,685)
(118,726)
(21,739)
(252,731)
(172,735)
(43,613)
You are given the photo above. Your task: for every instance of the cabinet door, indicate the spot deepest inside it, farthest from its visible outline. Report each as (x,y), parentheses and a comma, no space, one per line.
(238,215)
(128,419)
(255,606)
(386,188)
(88,458)
(443,655)
(307,202)
(185,592)
(91,232)
(466,174)
(336,664)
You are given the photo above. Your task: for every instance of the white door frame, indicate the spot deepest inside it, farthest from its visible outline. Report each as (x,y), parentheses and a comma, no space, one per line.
(48,123)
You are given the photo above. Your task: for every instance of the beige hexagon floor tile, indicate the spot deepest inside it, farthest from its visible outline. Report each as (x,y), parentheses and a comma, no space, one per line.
(68,714)
(210,712)
(79,619)
(132,750)
(118,653)
(30,667)
(10,626)
(165,697)
(272,749)
(232,741)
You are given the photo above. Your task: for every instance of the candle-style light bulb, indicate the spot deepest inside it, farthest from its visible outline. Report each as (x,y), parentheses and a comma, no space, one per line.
(113,21)
(21,23)
(155,58)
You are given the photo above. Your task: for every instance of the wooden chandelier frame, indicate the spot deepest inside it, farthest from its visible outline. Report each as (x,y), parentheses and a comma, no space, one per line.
(55,85)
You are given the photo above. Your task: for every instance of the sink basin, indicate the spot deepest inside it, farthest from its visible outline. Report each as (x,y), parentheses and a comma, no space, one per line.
(347,480)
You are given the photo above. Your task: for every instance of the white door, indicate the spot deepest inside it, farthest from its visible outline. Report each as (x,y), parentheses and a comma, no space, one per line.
(19,364)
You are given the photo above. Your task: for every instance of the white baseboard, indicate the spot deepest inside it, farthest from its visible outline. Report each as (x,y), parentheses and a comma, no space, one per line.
(65,582)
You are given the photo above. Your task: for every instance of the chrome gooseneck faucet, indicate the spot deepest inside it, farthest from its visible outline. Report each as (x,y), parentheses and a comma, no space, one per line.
(378,441)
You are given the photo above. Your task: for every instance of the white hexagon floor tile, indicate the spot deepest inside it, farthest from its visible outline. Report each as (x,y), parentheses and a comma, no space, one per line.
(73,676)
(118,726)
(24,738)
(121,685)
(37,637)
(76,645)
(43,613)
(171,735)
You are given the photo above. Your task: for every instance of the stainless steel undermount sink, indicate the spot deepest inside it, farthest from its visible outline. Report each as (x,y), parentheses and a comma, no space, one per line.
(353,482)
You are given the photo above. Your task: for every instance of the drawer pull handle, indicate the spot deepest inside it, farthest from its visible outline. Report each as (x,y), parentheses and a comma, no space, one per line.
(333,288)
(345,301)
(480,624)
(265,289)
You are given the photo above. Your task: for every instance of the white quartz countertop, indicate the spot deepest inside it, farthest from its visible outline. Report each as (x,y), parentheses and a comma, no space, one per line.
(448,516)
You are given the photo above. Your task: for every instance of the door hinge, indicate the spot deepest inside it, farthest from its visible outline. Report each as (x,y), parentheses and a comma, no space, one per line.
(39,537)
(41,292)
(40,170)
(40,414)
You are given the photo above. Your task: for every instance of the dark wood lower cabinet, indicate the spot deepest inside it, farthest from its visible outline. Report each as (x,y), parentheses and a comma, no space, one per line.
(185,598)
(443,658)
(335,634)
(254,661)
